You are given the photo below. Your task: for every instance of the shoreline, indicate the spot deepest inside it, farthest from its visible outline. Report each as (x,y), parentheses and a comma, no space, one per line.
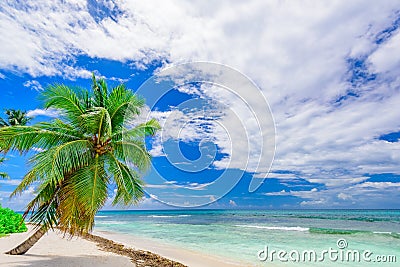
(103,248)
(54,250)
(185,256)
(138,257)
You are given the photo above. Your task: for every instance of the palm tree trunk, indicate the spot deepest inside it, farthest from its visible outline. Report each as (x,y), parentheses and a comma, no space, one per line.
(27,244)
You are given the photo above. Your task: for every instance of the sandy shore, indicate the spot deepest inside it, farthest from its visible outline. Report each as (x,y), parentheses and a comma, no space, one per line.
(53,250)
(185,256)
(101,250)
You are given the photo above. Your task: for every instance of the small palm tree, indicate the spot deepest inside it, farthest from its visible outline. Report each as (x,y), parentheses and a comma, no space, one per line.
(84,153)
(3,174)
(15,117)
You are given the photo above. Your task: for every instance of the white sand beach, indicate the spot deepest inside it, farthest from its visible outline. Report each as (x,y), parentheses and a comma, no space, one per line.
(54,250)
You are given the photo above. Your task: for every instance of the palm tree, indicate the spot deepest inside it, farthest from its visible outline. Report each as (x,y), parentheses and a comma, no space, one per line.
(3,174)
(15,117)
(85,153)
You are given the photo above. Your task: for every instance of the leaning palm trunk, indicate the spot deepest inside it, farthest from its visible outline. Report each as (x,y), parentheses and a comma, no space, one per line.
(27,244)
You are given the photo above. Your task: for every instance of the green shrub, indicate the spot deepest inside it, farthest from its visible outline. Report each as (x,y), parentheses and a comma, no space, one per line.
(11,222)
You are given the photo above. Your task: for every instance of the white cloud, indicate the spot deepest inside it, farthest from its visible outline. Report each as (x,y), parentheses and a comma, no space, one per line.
(38,149)
(318,202)
(387,57)
(146,203)
(311,194)
(343,196)
(296,52)
(175,185)
(33,84)
(379,185)
(50,112)
(10,181)
(232,203)
(364,194)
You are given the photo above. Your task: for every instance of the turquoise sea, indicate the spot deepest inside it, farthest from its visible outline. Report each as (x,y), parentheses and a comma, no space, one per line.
(298,237)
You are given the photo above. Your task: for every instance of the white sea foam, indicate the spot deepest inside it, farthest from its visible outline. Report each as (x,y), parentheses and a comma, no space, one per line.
(280,228)
(101,216)
(168,216)
(112,222)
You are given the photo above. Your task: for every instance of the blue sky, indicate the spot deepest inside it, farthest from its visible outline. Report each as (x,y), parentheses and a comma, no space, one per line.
(329,71)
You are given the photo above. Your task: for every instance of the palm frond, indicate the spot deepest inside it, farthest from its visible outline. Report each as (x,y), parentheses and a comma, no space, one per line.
(43,206)
(24,138)
(133,152)
(28,180)
(72,217)
(85,98)
(90,186)
(123,104)
(52,165)
(100,92)
(61,128)
(64,98)
(129,185)
(140,131)
(97,122)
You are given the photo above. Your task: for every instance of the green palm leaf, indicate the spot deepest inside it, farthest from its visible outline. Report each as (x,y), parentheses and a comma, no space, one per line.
(24,138)
(52,165)
(44,206)
(65,99)
(129,185)
(140,131)
(123,103)
(90,185)
(133,152)
(97,122)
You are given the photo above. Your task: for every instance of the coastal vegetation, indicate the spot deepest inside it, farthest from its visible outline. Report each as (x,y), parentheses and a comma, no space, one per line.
(11,222)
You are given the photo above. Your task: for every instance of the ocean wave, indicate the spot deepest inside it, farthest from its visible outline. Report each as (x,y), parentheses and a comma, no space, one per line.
(167,216)
(390,234)
(351,231)
(280,228)
(330,231)
(101,216)
(111,222)
(347,218)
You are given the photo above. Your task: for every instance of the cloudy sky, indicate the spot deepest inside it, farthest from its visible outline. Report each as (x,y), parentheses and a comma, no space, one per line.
(325,73)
